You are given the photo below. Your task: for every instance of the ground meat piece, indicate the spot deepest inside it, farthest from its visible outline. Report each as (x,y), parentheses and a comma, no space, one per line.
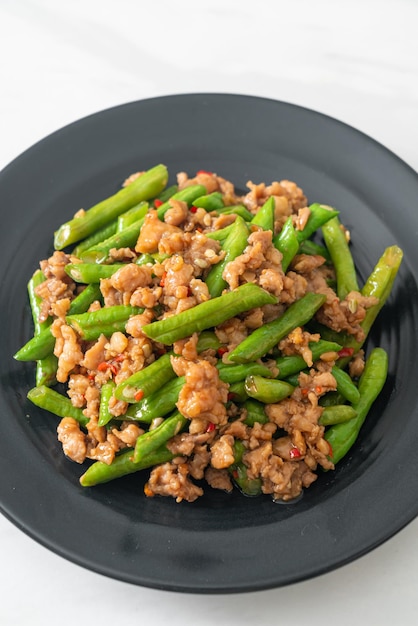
(286,480)
(152,231)
(136,322)
(222,452)
(121,254)
(187,347)
(128,433)
(57,286)
(218,479)
(231,333)
(297,342)
(295,287)
(92,396)
(301,218)
(77,387)
(212,182)
(356,365)
(257,459)
(67,349)
(260,262)
(177,213)
(259,193)
(111,296)
(170,479)
(199,461)
(72,439)
(346,315)
(203,395)
(131,276)
(60,308)
(95,355)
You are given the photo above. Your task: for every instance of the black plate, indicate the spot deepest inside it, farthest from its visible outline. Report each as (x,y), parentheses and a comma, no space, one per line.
(220,543)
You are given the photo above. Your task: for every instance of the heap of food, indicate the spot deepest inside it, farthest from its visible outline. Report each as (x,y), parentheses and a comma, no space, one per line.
(206,334)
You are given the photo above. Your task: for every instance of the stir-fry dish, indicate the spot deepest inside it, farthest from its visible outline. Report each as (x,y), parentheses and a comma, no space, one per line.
(210,337)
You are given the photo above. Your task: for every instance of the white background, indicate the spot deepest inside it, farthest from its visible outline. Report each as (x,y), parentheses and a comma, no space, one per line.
(355,60)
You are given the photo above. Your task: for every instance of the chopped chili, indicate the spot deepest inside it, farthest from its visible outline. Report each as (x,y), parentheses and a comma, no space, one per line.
(346,352)
(204,172)
(139,395)
(158,203)
(210,427)
(294,453)
(193,209)
(162,281)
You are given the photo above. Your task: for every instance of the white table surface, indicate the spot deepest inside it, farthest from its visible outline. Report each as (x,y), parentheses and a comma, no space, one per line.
(355,60)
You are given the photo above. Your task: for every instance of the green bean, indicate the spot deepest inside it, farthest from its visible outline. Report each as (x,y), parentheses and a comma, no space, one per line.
(255,412)
(147,186)
(267,390)
(85,298)
(265,215)
(106,393)
(292,364)
(122,465)
(131,216)
(126,238)
(239,472)
(287,243)
(96,238)
(236,209)
(221,234)
(146,381)
(341,257)
(341,437)
(54,402)
(235,373)
(152,440)
(336,414)
(158,404)
(207,341)
(167,193)
(209,202)
(345,385)
(46,368)
(237,392)
(208,314)
(39,347)
(266,337)
(332,398)
(233,246)
(89,326)
(312,248)
(91,272)
(320,215)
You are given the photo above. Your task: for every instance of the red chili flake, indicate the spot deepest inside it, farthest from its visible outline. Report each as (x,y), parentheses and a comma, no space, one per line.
(304,391)
(139,395)
(204,172)
(346,352)
(199,229)
(231,396)
(160,351)
(235,473)
(91,376)
(113,368)
(294,453)
(222,350)
(119,358)
(162,281)
(158,203)
(189,292)
(331,452)
(193,209)
(102,367)
(318,390)
(211,427)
